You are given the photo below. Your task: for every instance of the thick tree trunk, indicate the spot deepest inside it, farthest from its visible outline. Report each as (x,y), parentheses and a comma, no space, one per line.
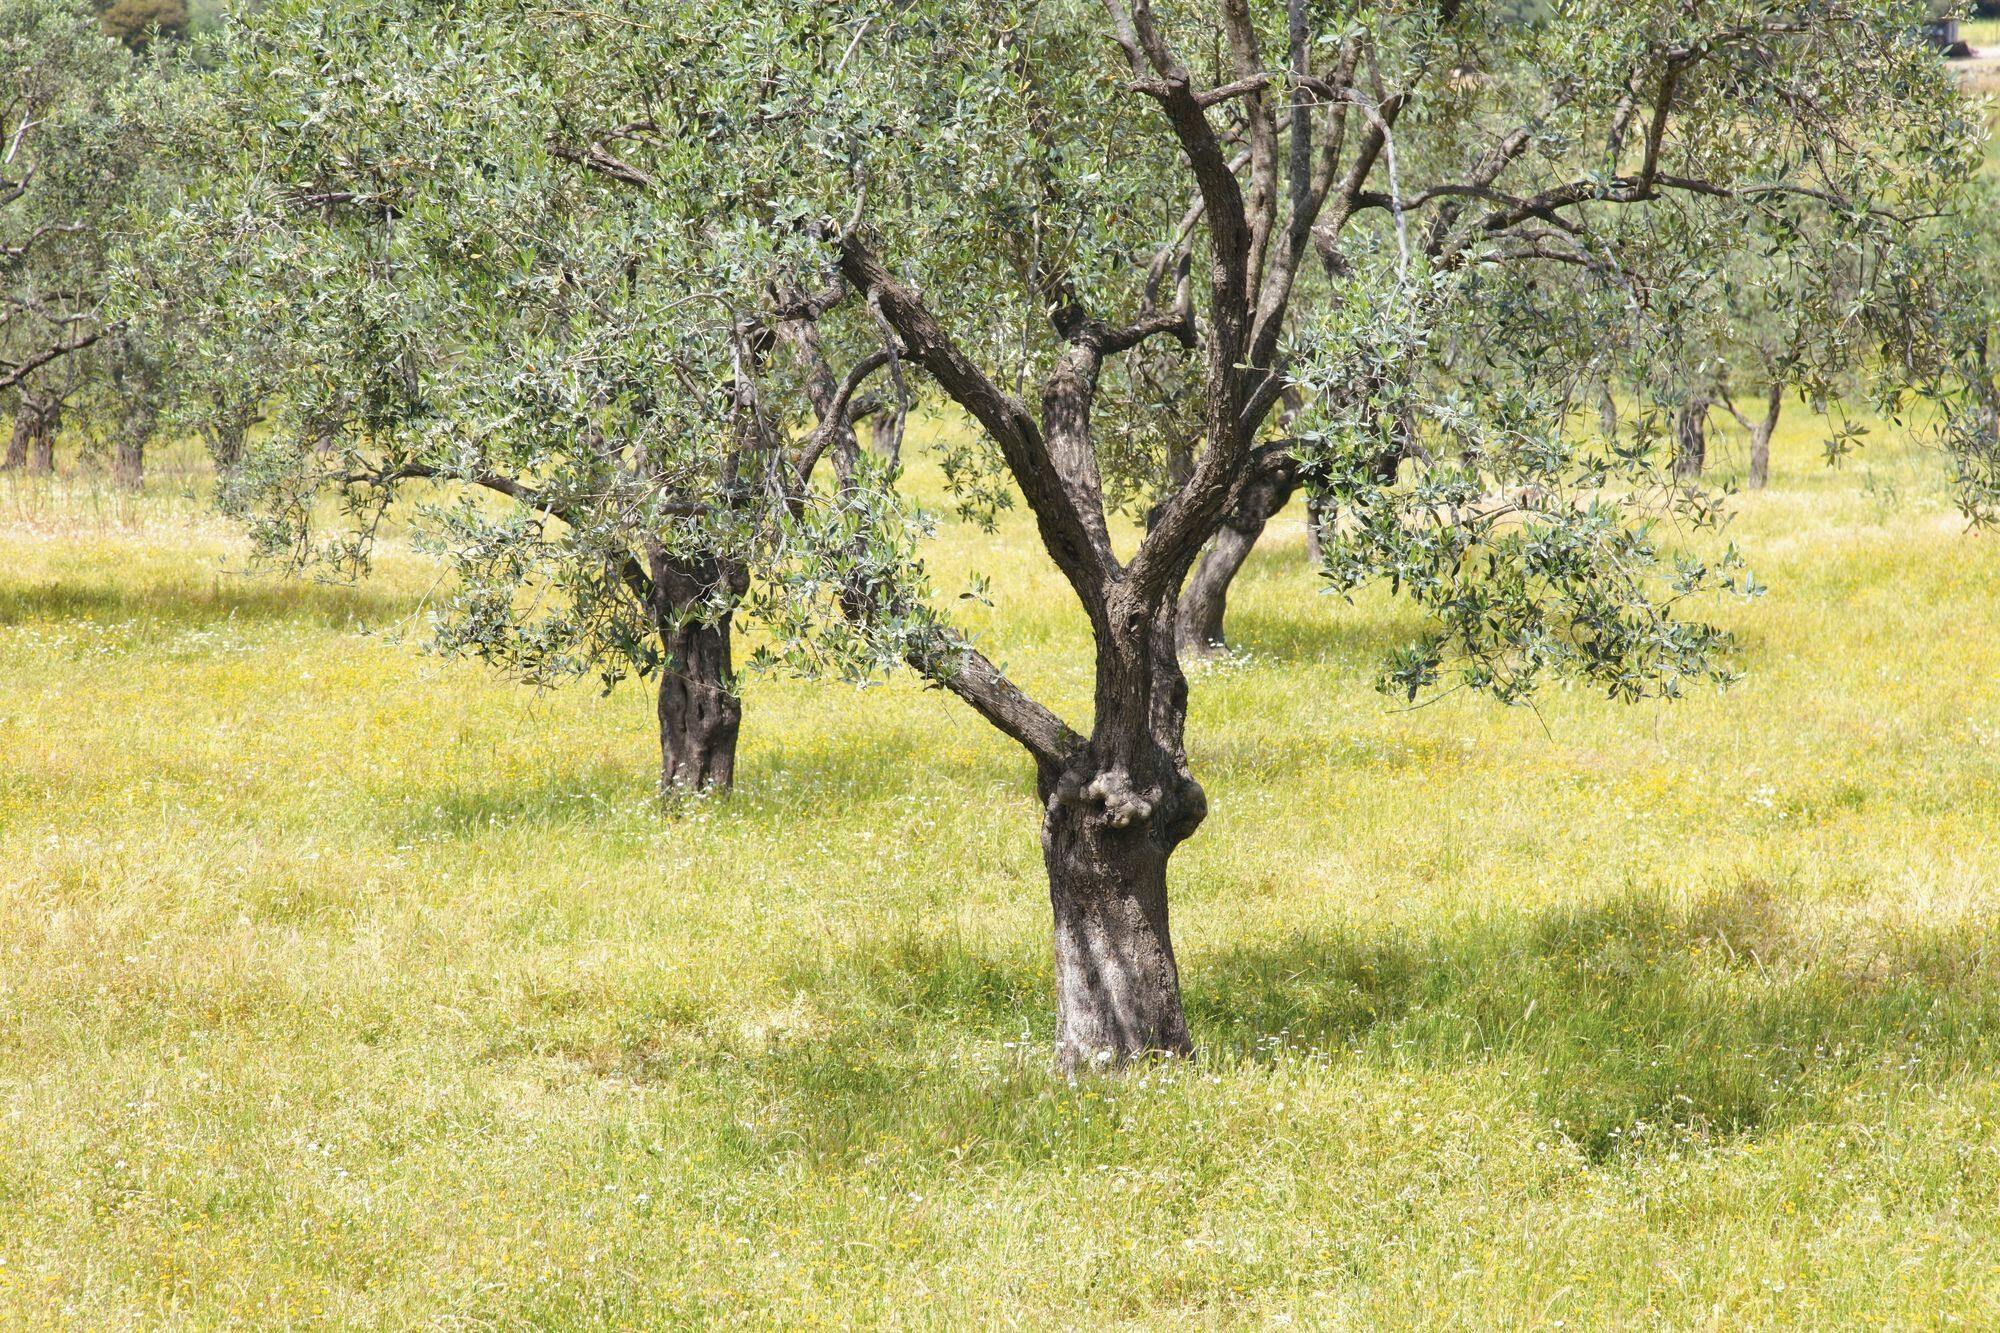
(1118,992)
(1112,817)
(1760,437)
(32,446)
(700,710)
(1691,437)
(128,463)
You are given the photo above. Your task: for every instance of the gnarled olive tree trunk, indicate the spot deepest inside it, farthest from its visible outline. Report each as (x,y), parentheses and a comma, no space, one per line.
(700,708)
(32,445)
(1113,815)
(1691,436)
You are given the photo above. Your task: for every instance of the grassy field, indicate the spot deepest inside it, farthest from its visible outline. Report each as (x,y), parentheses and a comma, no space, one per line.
(341,985)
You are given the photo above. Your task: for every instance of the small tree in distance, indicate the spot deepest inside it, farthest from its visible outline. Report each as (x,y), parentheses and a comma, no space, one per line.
(65,164)
(571,371)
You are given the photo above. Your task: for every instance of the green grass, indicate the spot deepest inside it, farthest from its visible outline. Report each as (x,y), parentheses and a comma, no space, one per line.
(342,985)
(1980,33)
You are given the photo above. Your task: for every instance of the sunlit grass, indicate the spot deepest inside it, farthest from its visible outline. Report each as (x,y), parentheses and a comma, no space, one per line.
(341,984)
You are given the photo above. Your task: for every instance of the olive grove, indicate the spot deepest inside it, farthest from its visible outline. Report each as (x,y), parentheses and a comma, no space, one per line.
(605,291)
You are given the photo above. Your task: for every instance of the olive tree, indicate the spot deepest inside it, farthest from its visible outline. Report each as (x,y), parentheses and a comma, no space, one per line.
(453,291)
(87,130)
(65,159)
(1253,139)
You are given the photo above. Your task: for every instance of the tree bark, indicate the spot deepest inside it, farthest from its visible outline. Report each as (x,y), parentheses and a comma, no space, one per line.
(1319,518)
(700,710)
(1270,486)
(1691,437)
(1607,411)
(1760,437)
(699,706)
(32,446)
(227,438)
(1205,600)
(1113,816)
(1117,989)
(128,463)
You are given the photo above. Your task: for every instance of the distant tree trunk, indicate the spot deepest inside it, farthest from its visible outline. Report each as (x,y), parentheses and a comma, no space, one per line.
(42,448)
(1691,436)
(1318,516)
(1205,598)
(128,464)
(1607,410)
(1265,491)
(128,453)
(885,434)
(32,446)
(1986,387)
(225,446)
(700,709)
(228,435)
(1760,437)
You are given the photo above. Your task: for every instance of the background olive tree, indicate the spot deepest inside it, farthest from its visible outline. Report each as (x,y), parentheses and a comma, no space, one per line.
(65,157)
(90,171)
(440,283)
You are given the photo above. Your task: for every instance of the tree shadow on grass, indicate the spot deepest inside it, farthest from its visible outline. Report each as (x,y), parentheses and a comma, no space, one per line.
(780,784)
(1628,1021)
(1620,1025)
(585,795)
(856,769)
(329,606)
(1323,630)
